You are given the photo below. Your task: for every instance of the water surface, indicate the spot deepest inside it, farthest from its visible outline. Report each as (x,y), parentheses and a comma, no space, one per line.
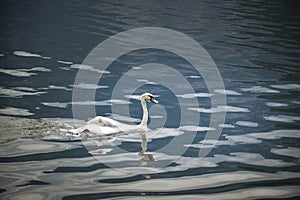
(256,47)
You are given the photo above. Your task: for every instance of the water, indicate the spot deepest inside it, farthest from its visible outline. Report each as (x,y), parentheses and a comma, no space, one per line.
(256,47)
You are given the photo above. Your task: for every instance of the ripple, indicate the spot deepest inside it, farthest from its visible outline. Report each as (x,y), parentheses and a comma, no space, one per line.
(194,95)
(249,193)
(247,123)
(194,77)
(65,62)
(290,151)
(102,103)
(259,89)
(96,103)
(125,118)
(155,134)
(277,134)
(147,82)
(220,109)
(100,151)
(196,128)
(282,118)
(227,92)
(28,54)
(275,104)
(89,68)
(135,97)
(287,86)
(15,111)
(55,104)
(23,147)
(55,87)
(226,126)
(18,92)
(24,72)
(90,86)
(255,138)
(17,72)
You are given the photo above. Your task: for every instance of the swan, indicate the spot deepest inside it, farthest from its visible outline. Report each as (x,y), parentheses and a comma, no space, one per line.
(105,126)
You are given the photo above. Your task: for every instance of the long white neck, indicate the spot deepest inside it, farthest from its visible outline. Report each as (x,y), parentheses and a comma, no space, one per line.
(145,114)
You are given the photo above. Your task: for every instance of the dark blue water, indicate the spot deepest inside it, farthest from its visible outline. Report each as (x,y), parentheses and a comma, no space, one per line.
(256,47)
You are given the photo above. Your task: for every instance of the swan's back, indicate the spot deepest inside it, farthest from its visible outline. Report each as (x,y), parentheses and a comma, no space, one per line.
(103,121)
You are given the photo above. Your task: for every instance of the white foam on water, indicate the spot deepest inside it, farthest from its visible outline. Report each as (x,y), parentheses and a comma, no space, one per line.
(247,123)
(259,89)
(25,54)
(277,134)
(100,151)
(220,109)
(15,111)
(282,118)
(17,72)
(196,128)
(102,103)
(136,97)
(1,55)
(124,118)
(157,117)
(142,80)
(207,144)
(38,69)
(241,139)
(55,104)
(290,151)
(55,87)
(137,68)
(17,93)
(147,82)
(287,86)
(253,159)
(195,77)
(90,86)
(65,62)
(89,68)
(226,126)
(28,54)
(227,92)
(275,104)
(296,102)
(194,95)
(117,101)
(255,138)
(25,89)
(24,72)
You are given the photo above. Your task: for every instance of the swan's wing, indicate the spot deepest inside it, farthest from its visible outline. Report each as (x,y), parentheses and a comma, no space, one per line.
(94,128)
(103,121)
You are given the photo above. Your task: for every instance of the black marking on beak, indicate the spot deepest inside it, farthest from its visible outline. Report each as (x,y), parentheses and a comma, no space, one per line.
(152,99)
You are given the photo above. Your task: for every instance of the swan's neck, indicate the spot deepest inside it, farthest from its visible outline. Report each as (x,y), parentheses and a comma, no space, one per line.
(145,114)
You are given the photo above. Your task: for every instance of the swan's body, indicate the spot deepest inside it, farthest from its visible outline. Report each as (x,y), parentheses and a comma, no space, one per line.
(105,126)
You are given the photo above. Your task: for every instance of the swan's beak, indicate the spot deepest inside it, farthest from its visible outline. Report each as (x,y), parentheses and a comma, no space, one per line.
(153,100)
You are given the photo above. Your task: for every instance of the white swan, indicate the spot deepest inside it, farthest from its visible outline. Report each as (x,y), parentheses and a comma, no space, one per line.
(106,126)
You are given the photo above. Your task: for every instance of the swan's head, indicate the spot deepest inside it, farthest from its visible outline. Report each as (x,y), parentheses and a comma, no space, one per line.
(148,97)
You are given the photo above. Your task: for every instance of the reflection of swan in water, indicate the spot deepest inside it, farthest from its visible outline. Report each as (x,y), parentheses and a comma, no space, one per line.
(104,125)
(145,156)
